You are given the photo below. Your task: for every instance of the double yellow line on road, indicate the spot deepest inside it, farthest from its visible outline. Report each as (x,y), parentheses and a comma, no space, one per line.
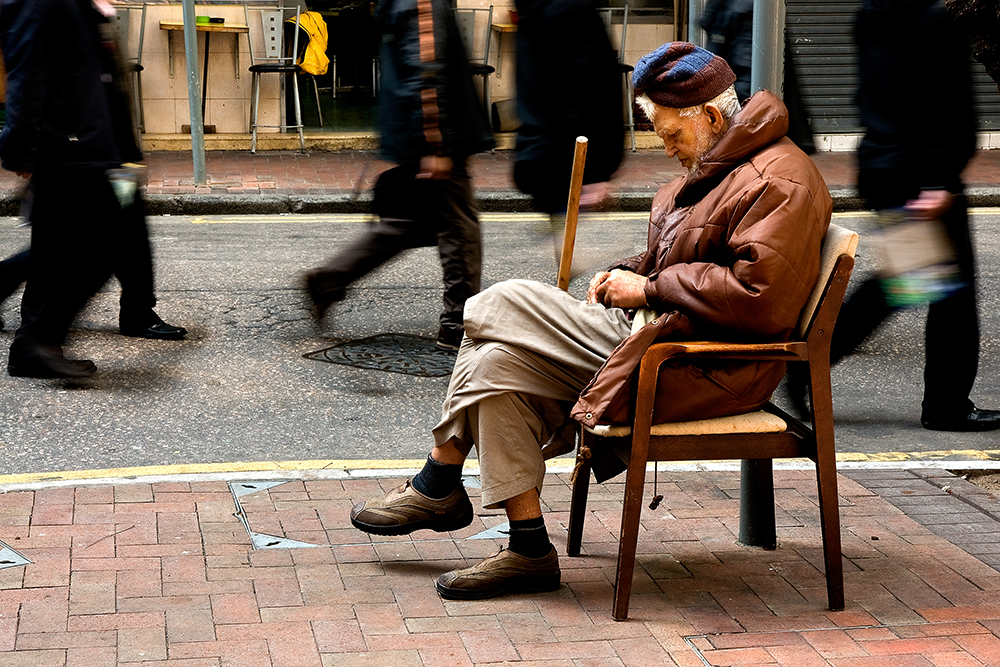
(956,456)
(339,218)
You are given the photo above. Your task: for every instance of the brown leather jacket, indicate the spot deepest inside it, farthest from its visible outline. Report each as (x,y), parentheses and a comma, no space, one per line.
(733,254)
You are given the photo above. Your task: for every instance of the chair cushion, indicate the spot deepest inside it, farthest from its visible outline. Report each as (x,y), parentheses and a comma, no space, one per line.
(839,241)
(750,422)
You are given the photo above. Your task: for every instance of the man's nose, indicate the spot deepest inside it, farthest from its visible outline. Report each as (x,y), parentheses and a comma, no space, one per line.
(670,148)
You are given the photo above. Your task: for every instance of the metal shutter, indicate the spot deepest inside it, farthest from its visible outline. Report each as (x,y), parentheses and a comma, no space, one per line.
(821,40)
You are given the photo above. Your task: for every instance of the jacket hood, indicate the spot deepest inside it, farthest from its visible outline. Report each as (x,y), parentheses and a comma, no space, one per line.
(762,121)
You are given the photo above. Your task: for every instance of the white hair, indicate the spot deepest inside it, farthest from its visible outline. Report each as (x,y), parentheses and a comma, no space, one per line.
(726,101)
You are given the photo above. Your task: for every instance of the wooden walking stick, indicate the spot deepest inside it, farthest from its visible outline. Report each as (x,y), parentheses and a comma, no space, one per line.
(572,212)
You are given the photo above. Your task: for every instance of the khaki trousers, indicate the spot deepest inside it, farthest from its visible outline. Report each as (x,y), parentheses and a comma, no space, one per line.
(528,352)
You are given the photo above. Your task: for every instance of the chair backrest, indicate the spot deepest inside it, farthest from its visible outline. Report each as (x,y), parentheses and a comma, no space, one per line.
(608,15)
(124,22)
(475,26)
(838,241)
(272,25)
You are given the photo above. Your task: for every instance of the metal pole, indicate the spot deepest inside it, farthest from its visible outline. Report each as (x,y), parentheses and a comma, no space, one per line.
(757,525)
(767,70)
(194,94)
(695,33)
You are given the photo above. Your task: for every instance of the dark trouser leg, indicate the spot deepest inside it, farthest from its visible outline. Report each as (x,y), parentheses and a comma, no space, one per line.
(384,239)
(460,247)
(73,216)
(860,316)
(952,334)
(13,272)
(395,230)
(133,266)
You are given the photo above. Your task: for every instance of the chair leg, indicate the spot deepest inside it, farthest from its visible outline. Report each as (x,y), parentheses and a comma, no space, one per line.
(333,68)
(298,113)
(631,116)
(578,504)
(139,112)
(826,477)
(319,109)
(635,481)
(255,97)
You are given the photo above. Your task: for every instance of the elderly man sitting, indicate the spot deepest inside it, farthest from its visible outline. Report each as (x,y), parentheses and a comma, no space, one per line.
(733,253)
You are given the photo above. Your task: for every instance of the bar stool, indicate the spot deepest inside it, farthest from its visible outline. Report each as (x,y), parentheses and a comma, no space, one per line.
(276,60)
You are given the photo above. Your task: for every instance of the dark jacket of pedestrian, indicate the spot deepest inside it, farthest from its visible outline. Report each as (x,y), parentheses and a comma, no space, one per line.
(568,84)
(733,254)
(64,104)
(427,101)
(910,51)
(729,24)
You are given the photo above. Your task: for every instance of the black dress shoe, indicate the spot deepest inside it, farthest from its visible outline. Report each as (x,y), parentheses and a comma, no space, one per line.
(322,292)
(977,420)
(48,363)
(157,331)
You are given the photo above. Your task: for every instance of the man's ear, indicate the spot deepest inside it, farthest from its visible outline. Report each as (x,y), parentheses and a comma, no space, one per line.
(715,118)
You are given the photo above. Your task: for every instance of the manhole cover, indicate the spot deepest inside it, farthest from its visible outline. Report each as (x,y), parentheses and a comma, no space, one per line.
(394,353)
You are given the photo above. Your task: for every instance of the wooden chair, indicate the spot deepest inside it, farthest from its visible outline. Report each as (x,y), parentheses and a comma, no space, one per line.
(767,434)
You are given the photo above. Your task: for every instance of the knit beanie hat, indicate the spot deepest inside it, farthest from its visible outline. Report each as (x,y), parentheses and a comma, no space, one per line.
(681,75)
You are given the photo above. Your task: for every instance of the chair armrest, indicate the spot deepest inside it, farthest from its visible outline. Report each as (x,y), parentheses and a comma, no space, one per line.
(778,351)
(658,353)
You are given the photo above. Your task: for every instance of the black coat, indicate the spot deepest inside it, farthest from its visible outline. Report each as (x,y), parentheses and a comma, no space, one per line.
(65,102)
(568,84)
(915,97)
(455,124)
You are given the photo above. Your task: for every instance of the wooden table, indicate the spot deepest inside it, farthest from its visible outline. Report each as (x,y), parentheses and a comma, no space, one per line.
(208,28)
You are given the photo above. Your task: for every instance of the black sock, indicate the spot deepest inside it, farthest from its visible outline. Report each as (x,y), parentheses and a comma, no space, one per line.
(529,538)
(438,480)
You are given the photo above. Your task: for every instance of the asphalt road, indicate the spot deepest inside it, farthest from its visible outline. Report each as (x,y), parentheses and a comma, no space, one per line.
(240,389)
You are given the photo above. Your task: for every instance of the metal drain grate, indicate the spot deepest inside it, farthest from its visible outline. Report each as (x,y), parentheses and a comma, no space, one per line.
(393,353)
(10,558)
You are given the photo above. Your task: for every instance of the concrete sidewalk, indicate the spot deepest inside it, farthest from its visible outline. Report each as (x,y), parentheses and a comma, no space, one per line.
(324,182)
(265,570)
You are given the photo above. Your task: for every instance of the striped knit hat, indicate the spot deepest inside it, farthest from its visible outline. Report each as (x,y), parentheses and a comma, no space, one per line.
(681,75)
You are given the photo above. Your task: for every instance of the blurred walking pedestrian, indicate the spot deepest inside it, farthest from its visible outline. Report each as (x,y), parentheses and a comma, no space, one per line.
(569,84)
(914,67)
(729,25)
(69,129)
(430,121)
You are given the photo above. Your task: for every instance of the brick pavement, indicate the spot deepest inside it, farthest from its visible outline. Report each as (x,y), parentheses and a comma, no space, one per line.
(159,573)
(338,172)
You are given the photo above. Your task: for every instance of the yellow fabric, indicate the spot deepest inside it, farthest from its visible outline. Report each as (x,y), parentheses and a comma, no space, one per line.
(314,60)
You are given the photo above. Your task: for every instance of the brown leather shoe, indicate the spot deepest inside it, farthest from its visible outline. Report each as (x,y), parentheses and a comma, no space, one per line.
(503,572)
(404,510)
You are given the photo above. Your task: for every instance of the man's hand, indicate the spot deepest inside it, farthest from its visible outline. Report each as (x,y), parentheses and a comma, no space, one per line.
(622,289)
(435,167)
(930,203)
